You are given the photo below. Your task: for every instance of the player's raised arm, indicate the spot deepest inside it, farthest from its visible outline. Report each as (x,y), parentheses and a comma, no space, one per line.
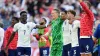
(80,0)
(86,5)
(48,33)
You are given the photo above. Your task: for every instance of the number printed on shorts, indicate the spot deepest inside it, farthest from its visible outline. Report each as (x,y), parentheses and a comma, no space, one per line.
(74,52)
(68,53)
(44,52)
(87,47)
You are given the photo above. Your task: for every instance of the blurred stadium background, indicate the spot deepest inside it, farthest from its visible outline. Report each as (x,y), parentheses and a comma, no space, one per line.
(38,9)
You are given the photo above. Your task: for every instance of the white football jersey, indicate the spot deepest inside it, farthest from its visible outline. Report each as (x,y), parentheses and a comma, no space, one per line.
(1,36)
(74,31)
(66,32)
(24,32)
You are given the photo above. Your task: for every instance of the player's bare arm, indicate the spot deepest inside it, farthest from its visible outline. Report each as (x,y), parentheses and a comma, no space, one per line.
(10,39)
(95,40)
(48,33)
(40,26)
(80,0)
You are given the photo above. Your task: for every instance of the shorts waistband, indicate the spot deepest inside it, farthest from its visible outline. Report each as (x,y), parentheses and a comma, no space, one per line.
(85,36)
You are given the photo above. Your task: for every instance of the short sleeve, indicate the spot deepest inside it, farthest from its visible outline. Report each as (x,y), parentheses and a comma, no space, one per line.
(34,31)
(1,36)
(77,23)
(15,27)
(2,33)
(33,25)
(97,32)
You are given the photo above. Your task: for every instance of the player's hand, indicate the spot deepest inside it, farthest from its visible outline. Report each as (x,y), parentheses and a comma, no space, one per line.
(34,34)
(43,39)
(6,50)
(80,0)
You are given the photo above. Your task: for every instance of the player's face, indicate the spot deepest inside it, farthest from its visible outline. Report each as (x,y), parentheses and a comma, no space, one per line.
(70,15)
(42,22)
(13,22)
(24,16)
(54,14)
(63,15)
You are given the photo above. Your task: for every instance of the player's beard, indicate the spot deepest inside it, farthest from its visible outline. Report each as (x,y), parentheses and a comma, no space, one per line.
(42,23)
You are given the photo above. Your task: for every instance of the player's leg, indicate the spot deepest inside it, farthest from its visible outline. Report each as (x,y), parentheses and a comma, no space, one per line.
(44,51)
(72,52)
(40,51)
(75,51)
(78,51)
(12,52)
(66,50)
(98,53)
(27,51)
(53,51)
(82,49)
(83,54)
(89,54)
(69,49)
(56,50)
(20,51)
(88,47)
(59,50)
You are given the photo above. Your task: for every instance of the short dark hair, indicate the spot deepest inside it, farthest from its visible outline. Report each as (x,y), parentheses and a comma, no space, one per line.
(44,20)
(16,18)
(22,12)
(1,25)
(88,3)
(57,11)
(72,11)
(65,11)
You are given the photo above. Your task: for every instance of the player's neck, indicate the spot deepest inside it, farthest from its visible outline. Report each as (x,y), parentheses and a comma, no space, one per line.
(71,21)
(12,26)
(56,17)
(24,22)
(64,19)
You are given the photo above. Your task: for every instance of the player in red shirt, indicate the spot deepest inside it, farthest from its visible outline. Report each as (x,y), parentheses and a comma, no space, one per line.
(13,45)
(86,26)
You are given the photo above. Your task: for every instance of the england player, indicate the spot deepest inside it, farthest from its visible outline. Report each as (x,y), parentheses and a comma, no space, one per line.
(66,35)
(97,38)
(43,44)
(24,30)
(57,39)
(74,33)
(12,51)
(86,27)
(1,37)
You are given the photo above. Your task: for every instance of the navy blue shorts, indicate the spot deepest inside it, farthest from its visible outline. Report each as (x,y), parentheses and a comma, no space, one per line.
(12,52)
(2,53)
(99,50)
(86,45)
(44,51)
(75,51)
(66,50)
(23,51)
